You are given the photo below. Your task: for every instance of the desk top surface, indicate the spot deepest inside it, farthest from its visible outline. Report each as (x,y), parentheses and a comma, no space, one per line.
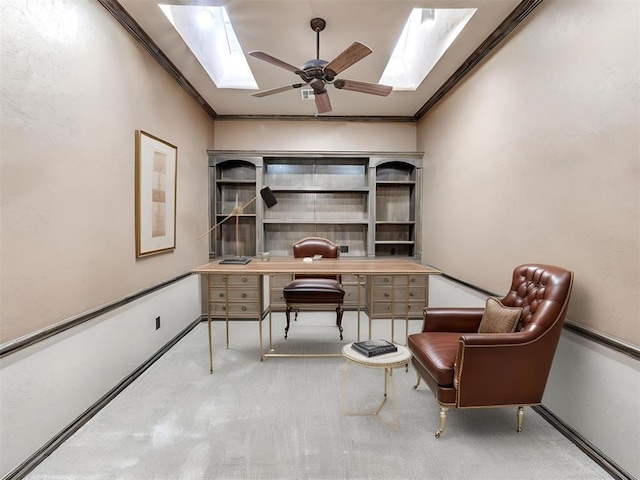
(342,266)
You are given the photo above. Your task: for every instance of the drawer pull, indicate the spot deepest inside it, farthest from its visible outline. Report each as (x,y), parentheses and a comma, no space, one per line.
(386,280)
(224,279)
(244,279)
(244,295)
(386,294)
(244,308)
(411,294)
(413,280)
(221,294)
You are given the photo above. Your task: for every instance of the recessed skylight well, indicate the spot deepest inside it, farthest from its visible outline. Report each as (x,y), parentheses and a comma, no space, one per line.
(426,36)
(208,32)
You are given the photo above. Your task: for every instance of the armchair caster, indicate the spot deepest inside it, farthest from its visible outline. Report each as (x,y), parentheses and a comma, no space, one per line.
(415,387)
(443,420)
(520,418)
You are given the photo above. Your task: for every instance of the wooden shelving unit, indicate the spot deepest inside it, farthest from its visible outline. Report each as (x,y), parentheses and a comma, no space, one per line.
(367,202)
(395,209)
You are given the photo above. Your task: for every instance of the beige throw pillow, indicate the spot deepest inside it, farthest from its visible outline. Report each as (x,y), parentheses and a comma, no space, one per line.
(499,319)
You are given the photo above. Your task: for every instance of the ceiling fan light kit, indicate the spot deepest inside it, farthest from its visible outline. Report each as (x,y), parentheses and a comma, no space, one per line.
(317,73)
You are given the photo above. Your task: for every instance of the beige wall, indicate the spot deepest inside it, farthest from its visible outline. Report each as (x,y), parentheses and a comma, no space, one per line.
(315,136)
(534,158)
(75,87)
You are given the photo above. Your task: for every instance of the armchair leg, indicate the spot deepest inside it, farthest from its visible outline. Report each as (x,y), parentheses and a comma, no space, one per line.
(443,420)
(415,387)
(520,418)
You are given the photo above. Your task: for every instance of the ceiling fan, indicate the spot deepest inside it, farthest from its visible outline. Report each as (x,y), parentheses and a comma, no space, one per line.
(318,73)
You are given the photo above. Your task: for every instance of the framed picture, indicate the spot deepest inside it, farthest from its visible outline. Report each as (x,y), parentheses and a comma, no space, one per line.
(156,168)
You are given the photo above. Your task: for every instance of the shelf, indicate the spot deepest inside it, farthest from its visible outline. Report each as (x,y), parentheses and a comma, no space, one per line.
(235,182)
(307,221)
(396,222)
(320,189)
(395,182)
(394,242)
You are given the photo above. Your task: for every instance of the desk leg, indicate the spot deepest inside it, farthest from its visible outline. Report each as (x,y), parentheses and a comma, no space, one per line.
(406,318)
(358,307)
(270,332)
(209,324)
(260,333)
(393,310)
(226,314)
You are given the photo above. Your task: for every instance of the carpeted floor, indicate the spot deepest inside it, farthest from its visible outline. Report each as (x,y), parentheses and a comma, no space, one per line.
(280,419)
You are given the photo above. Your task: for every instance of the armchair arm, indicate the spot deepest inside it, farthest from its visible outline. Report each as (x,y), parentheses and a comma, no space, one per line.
(501,369)
(463,320)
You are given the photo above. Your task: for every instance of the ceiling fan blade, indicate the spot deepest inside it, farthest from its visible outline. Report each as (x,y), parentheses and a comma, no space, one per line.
(274,61)
(323,104)
(264,93)
(357,51)
(363,87)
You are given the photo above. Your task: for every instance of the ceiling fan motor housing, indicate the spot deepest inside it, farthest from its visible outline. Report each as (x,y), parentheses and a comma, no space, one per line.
(314,69)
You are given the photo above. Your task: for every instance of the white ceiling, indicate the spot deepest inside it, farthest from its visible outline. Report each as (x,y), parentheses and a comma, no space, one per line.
(281,29)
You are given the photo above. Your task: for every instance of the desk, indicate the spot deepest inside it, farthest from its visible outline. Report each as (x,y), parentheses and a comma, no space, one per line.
(288,265)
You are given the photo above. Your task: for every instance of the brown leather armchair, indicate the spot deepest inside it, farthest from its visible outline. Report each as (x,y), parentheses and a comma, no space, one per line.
(306,289)
(467,369)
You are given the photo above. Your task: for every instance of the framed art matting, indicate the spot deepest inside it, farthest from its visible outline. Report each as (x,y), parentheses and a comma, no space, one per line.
(156,168)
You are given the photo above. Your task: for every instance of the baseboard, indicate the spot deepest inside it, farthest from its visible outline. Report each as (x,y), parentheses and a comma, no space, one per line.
(591,451)
(40,455)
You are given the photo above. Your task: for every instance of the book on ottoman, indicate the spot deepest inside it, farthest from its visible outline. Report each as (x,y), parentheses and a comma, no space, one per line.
(371,348)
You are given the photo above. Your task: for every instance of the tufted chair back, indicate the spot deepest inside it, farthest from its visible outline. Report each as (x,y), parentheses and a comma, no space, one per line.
(541,291)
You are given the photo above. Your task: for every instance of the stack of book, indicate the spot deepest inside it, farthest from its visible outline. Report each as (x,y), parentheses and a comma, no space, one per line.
(372,348)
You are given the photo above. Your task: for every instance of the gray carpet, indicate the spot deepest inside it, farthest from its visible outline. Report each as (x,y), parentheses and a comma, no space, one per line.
(280,419)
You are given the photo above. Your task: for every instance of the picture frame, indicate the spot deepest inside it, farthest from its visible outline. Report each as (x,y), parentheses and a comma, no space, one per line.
(156,182)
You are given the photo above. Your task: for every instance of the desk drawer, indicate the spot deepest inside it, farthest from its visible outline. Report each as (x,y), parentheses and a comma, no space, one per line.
(399,294)
(235,309)
(236,295)
(400,280)
(383,309)
(249,281)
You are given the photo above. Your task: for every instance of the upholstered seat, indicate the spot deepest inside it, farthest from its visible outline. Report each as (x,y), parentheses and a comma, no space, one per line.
(311,290)
(499,355)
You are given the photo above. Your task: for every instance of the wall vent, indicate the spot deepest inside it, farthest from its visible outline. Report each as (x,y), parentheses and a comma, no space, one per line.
(307,94)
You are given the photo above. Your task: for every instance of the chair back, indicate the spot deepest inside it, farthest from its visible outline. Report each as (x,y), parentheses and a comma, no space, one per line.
(310,246)
(543,292)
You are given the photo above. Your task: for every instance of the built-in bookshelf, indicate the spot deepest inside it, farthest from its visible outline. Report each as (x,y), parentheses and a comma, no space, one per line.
(395,209)
(368,203)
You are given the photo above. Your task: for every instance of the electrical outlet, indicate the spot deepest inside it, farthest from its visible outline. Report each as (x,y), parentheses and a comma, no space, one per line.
(344,248)
(157,323)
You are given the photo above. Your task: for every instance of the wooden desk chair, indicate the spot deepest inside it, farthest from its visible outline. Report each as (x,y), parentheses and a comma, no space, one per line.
(309,290)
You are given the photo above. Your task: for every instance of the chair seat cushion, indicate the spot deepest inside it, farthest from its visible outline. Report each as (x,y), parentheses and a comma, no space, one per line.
(436,352)
(313,290)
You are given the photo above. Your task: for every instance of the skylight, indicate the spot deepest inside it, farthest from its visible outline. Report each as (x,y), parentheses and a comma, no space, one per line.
(426,36)
(209,34)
